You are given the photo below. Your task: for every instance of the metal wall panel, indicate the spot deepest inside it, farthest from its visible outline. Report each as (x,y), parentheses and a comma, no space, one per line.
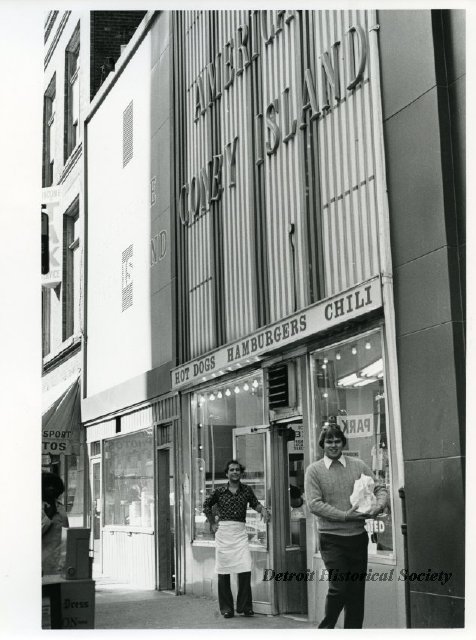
(129,557)
(237,203)
(347,166)
(301,224)
(283,185)
(200,268)
(99,431)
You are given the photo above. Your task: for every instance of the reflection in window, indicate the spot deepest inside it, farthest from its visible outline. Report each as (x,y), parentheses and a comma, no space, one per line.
(217,414)
(129,480)
(350,390)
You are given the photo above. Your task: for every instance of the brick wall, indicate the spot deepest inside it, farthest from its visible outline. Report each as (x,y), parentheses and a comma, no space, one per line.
(109,30)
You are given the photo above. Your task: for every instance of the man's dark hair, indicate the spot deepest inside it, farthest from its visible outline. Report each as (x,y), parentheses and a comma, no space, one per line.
(52,480)
(242,468)
(331,430)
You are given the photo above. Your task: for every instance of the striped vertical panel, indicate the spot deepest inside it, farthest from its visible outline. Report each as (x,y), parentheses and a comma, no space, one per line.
(237,203)
(347,165)
(200,269)
(283,184)
(129,558)
(99,431)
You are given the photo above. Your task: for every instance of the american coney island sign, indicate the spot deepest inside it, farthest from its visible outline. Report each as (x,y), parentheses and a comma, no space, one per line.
(319,317)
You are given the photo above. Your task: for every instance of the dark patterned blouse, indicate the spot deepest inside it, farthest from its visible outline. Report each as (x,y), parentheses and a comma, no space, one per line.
(231,506)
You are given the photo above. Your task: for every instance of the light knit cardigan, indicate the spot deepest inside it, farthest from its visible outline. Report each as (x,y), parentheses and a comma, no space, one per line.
(328,494)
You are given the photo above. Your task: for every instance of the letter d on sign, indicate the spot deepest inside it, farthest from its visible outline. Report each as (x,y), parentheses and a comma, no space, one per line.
(266,576)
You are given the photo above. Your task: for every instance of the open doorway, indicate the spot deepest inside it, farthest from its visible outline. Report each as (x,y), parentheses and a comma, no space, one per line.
(165,520)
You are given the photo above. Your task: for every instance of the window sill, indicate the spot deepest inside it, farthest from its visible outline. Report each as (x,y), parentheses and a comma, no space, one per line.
(113,528)
(71,161)
(203,543)
(70,344)
(211,544)
(372,559)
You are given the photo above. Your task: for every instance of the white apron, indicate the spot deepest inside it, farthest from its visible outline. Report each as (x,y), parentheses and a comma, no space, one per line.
(232,549)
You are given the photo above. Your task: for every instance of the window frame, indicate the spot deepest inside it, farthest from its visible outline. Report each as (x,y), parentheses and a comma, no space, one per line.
(223,383)
(72,76)
(49,113)
(390,557)
(71,244)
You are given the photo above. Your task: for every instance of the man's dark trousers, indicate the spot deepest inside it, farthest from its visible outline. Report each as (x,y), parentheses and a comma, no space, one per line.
(342,554)
(243,600)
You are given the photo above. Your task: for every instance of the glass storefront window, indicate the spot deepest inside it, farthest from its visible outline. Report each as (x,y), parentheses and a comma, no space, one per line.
(219,414)
(129,480)
(74,494)
(349,388)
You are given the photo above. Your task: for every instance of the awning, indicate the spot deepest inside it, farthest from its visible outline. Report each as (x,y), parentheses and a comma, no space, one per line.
(61,419)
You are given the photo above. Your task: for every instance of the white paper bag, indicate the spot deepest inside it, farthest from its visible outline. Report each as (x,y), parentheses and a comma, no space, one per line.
(363,494)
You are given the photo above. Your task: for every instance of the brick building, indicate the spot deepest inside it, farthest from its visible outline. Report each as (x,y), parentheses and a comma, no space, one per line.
(80,49)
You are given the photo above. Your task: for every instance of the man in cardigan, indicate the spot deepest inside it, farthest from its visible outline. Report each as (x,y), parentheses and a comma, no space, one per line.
(231,540)
(329,483)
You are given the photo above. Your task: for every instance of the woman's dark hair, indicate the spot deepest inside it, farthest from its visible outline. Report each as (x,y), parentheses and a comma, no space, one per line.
(242,468)
(52,480)
(331,430)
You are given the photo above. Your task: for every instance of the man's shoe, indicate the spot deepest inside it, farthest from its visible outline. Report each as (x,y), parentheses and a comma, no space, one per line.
(248,613)
(228,614)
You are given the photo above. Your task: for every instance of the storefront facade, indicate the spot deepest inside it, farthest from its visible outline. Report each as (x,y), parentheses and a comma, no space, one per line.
(285,285)
(128,409)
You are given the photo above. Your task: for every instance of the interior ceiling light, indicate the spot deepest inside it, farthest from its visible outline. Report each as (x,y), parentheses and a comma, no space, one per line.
(211,397)
(368,345)
(219,395)
(237,389)
(338,356)
(326,360)
(373,369)
(228,392)
(246,386)
(348,381)
(255,383)
(354,351)
(362,383)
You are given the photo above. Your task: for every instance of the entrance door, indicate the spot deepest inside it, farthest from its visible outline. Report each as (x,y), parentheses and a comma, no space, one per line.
(165,520)
(95,484)
(250,448)
(289,516)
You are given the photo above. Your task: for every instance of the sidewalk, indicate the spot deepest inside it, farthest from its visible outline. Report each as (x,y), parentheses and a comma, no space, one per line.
(118,606)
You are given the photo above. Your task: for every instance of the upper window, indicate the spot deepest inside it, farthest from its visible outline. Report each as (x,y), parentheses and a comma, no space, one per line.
(71,273)
(349,388)
(72,94)
(49,113)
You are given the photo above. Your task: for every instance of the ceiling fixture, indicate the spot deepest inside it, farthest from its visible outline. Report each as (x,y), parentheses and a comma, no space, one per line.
(370,373)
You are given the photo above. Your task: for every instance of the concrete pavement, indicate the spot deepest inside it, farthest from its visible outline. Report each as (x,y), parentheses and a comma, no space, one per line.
(119,606)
